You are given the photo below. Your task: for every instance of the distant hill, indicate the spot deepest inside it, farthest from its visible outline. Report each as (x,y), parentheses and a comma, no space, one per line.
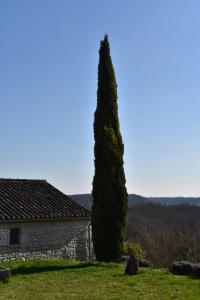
(134,199)
(175,200)
(86,200)
(83,199)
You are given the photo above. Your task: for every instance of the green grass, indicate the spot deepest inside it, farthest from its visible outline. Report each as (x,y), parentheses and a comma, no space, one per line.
(63,279)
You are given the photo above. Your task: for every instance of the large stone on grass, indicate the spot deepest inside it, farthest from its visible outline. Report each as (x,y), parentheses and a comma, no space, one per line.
(4,274)
(196,270)
(182,268)
(143,263)
(131,266)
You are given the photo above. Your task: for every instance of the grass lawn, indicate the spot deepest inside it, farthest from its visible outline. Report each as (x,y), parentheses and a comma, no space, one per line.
(64,279)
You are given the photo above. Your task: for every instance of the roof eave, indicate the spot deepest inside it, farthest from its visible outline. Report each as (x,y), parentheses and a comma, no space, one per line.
(45,219)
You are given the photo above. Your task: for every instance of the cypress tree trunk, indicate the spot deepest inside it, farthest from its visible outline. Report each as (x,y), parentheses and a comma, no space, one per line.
(109,192)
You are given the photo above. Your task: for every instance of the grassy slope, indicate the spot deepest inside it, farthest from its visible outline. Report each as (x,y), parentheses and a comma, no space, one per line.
(61,279)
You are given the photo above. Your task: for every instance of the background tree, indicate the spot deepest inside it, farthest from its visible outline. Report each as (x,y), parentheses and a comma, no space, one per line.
(109,191)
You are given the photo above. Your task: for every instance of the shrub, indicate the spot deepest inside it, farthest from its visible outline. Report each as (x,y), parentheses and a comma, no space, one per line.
(135,249)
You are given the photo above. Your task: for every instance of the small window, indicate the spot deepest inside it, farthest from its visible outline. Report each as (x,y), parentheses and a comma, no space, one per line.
(14,236)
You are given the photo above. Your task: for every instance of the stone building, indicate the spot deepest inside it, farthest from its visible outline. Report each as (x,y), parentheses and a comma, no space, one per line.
(39,221)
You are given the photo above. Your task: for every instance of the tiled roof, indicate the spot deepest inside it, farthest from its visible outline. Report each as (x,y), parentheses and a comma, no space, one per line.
(24,199)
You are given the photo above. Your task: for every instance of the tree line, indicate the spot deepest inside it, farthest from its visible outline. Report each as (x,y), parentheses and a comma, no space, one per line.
(165,233)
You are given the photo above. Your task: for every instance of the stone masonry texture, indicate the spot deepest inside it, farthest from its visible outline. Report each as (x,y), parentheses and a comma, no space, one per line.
(47,239)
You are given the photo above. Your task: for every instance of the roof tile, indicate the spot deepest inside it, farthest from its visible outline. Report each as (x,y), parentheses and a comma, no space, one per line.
(30,199)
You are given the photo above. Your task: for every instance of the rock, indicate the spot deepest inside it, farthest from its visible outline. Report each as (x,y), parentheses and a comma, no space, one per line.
(196,270)
(143,263)
(182,268)
(4,274)
(132,266)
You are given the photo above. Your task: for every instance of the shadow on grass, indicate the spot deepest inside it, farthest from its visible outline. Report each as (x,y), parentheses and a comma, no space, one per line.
(140,272)
(23,270)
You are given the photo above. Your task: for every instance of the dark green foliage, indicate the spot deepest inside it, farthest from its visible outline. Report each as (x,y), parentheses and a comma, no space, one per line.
(109,191)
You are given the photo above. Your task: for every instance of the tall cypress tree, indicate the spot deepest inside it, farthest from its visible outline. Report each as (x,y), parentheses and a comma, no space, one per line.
(109,192)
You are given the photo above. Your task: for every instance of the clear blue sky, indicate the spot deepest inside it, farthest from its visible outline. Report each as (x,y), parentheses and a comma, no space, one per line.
(48,82)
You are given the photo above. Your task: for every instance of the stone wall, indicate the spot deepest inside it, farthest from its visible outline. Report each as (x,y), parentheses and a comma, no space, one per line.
(47,239)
